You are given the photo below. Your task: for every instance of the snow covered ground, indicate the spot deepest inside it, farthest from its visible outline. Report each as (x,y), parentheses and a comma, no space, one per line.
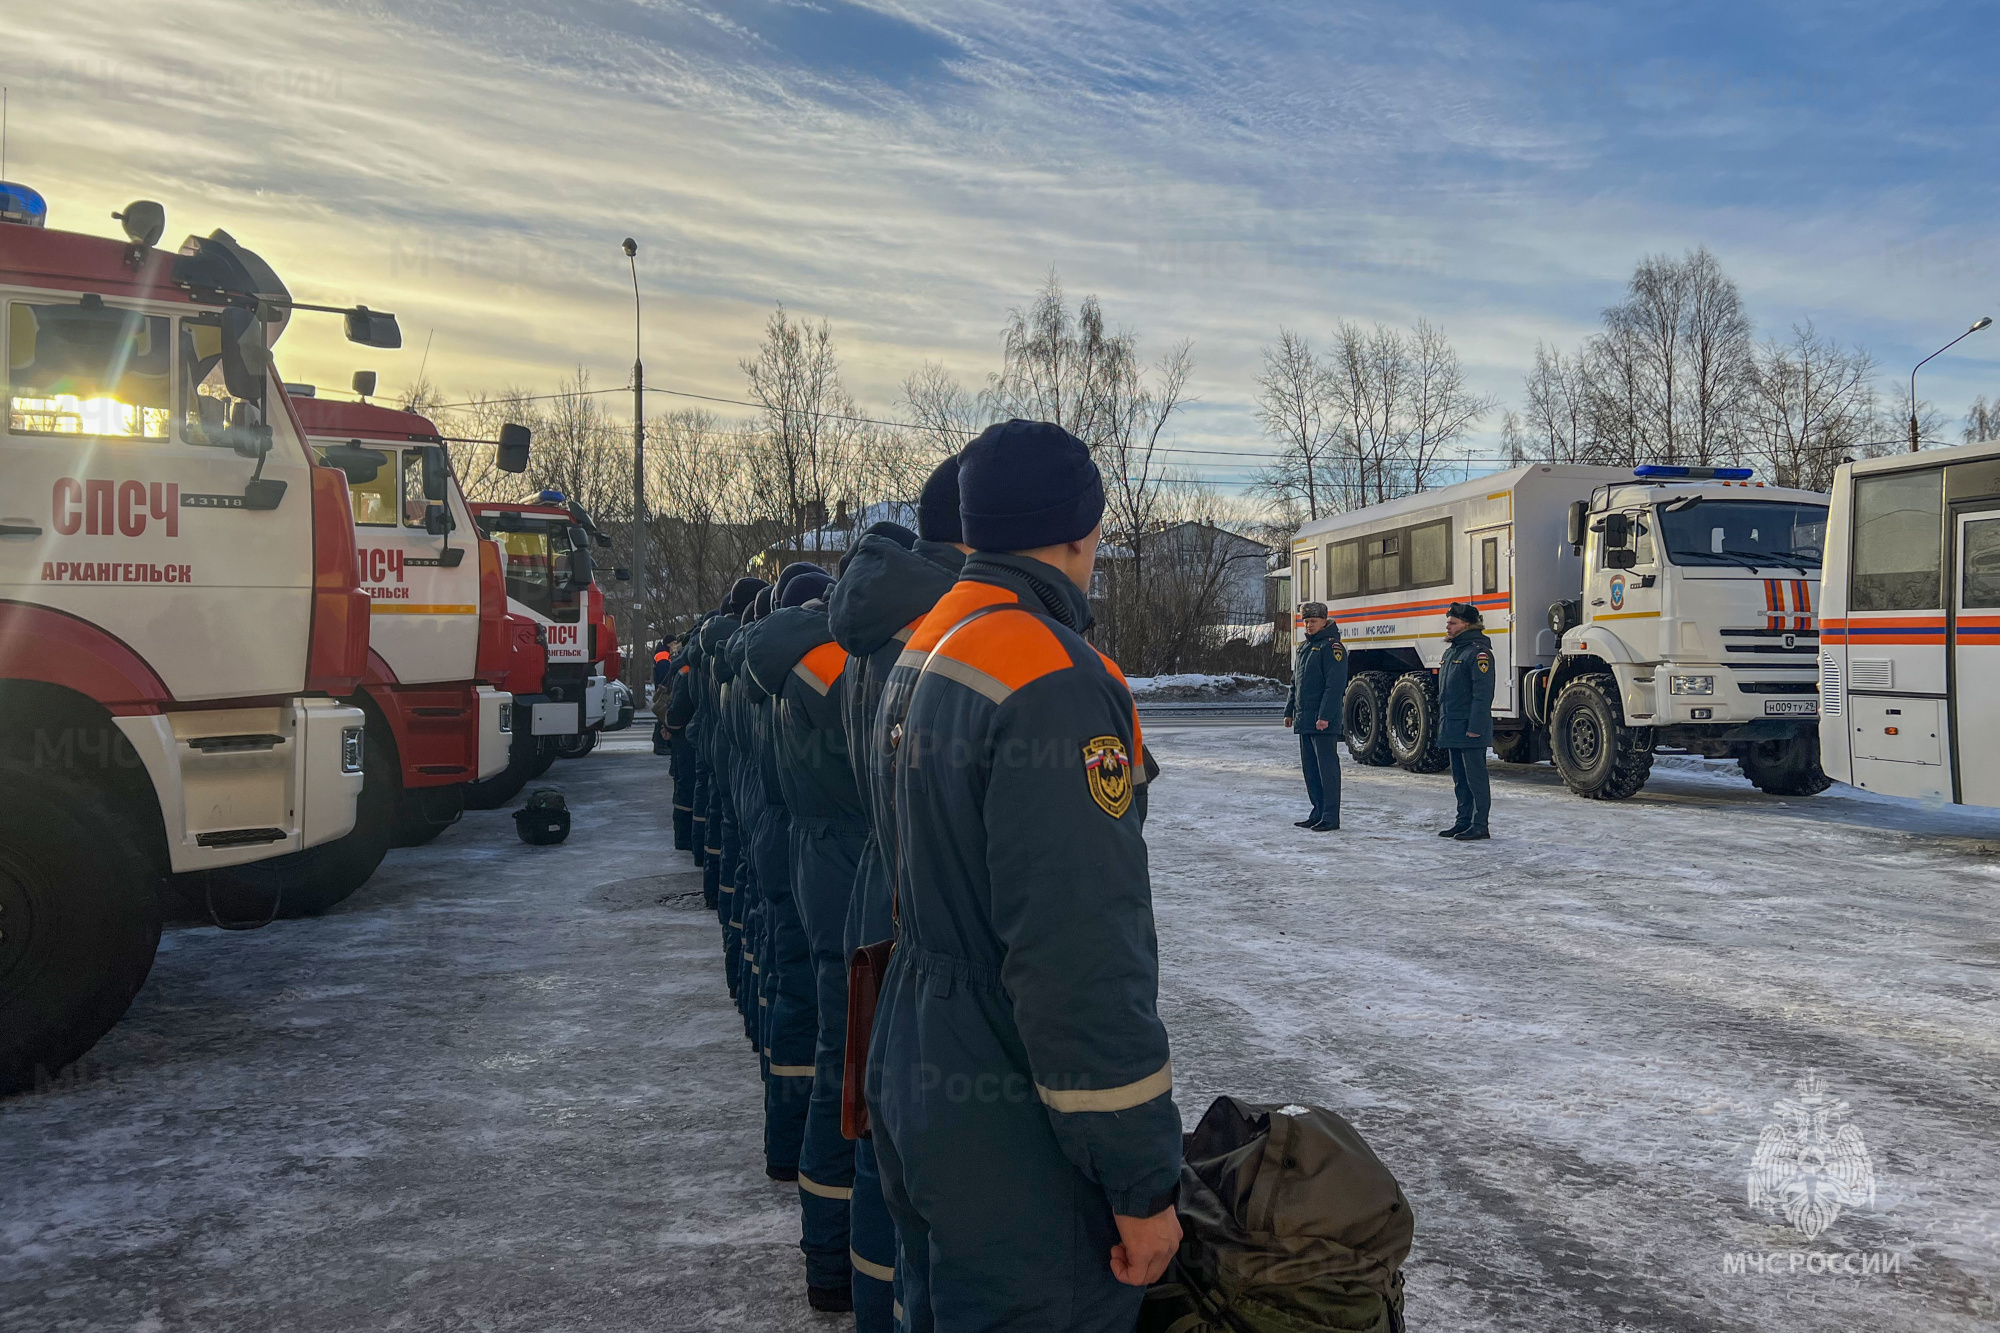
(1196,687)
(502,1088)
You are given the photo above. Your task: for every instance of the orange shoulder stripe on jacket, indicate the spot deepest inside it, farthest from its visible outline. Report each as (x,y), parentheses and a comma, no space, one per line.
(959,601)
(826,662)
(1012,649)
(1138,737)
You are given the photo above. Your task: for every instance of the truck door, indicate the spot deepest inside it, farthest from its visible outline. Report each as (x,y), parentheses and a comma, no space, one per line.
(1490,557)
(426,613)
(1627,598)
(1975,657)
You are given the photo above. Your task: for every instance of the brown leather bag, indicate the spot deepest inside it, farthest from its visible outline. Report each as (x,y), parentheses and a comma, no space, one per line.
(870,963)
(864,989)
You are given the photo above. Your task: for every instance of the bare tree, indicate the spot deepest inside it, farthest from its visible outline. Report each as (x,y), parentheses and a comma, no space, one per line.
(1674,365)
(1554,425)
(1982,420)
(942,413)
(1813,406)
(1441,409)
(1295,407)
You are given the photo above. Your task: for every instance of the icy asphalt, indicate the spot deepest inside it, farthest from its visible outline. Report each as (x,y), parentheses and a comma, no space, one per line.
(502,1089)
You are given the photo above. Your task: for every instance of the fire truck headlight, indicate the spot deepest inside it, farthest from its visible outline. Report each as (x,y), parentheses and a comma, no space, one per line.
(506,718)
(350,749)
(1691,685)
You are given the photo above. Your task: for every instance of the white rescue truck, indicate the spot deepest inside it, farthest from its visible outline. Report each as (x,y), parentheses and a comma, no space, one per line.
(437,639)
(1909,656)
(179,609)
(1660,608)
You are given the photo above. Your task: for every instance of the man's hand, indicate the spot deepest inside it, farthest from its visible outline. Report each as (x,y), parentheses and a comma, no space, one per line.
(1321,724)
(1288,724)
(1145,1245)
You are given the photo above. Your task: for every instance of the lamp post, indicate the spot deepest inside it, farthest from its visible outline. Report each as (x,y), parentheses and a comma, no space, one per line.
(640,637)
(1982,322)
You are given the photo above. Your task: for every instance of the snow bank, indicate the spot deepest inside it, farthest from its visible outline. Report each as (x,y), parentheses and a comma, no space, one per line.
(1190,687)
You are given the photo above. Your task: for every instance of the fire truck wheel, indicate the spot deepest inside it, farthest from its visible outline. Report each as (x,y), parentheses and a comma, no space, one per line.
(311,881)
(1599,757)
(523,752)
(79,923)
(576,746)
(1785,767)
(1519,747)
(545,755)
(1364,716)
(425,812)
(1413,723)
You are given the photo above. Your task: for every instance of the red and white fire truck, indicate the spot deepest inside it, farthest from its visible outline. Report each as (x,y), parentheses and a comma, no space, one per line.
(545,543)
(180,615)
(438,642)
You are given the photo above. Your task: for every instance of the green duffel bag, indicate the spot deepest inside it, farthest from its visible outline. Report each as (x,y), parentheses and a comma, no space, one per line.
(1290,1223)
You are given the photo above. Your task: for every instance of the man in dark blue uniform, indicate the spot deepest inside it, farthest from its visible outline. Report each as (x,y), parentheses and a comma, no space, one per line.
(1319,688)
(891,580)
(1021,1091)
(1465,718)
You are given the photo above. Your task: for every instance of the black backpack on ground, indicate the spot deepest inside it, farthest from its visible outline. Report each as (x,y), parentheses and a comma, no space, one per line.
(1290,1223)
(544,820)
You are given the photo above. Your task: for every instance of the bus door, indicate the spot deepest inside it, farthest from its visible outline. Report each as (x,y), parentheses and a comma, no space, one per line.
(1490,557)
(1975,656)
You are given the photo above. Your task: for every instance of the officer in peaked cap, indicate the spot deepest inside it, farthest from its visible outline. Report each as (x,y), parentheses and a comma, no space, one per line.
(1020,1091)
(1465,718)
(1319,691)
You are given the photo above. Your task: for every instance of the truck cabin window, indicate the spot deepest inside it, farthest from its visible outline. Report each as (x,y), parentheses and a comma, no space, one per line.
(1758,535)
(209,412)
(536,557)
(85,368)
(374,500)
(1898,542)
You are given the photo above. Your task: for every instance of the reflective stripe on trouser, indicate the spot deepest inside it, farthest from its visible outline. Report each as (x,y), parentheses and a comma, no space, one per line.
(824,856)
(681,766)
(998,1228)
(871,1240)
(792,1023)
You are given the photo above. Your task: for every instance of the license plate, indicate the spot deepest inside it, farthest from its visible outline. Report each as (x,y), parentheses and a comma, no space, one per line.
(1791,707)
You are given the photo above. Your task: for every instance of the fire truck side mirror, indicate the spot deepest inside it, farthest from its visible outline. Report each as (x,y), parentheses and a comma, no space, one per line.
(359,465)
(1617,529)
(622,574)
(437,473)
(373,328)
(512,455)
(1620,558)
(245,359)
(1579,518)
(437,521)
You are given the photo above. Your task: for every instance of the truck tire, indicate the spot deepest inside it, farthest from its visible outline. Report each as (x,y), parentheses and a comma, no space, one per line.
(425,812)
(79,923)
(307,883)
(1364,718)
(576,746)
(1413,723)
(1519,747)
(1599,757)
(523,750)
(1785,767)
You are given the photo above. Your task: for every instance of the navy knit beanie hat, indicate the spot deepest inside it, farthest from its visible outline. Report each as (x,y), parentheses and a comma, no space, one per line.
(805,587)
(762,606)
(1024,484)
(937,507)
(741,594)
(792,571)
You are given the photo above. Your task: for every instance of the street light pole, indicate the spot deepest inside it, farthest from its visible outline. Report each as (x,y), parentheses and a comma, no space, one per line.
(1983,321)
(640,637)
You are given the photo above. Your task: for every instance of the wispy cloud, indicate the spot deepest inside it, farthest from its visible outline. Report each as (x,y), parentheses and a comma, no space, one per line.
(910,171)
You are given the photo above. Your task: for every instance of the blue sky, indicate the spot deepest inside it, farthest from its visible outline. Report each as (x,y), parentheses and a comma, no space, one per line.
(1211,171)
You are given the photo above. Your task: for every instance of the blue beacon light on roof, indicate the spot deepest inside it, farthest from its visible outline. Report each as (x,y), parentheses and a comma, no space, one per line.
(1665,472)
(19,204)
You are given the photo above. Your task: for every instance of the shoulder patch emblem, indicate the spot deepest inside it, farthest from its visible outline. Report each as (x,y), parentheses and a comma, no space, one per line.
(1108,770)
(1485,661)
(1339,653)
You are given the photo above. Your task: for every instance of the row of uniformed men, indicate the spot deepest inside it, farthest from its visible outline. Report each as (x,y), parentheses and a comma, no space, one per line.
(929,748)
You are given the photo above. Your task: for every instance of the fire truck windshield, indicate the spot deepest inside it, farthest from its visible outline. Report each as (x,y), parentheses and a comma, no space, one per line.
(536,554)
(85,368)
(1745,533)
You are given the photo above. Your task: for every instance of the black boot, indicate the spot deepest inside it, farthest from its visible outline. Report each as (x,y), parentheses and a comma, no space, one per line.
(833,1300)
(776,1172)
(1307,822)
(1474,835)
(1326,826)
(1452,832)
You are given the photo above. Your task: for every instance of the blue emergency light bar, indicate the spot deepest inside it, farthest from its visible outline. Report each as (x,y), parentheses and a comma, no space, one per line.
(550,498)
(20,204)
(1663,472)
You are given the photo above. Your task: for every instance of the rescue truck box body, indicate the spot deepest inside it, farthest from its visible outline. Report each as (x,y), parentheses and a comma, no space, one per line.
(1909,656)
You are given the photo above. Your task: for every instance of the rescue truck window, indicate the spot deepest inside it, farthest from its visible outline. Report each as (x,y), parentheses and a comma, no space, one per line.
(1343,570)
(1642,541)
(88,370)
(207,406)
(414,504)
(374,502)
(1981,587)
(1384,555)
(1898,526)
(1489,565)
(1430,554)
